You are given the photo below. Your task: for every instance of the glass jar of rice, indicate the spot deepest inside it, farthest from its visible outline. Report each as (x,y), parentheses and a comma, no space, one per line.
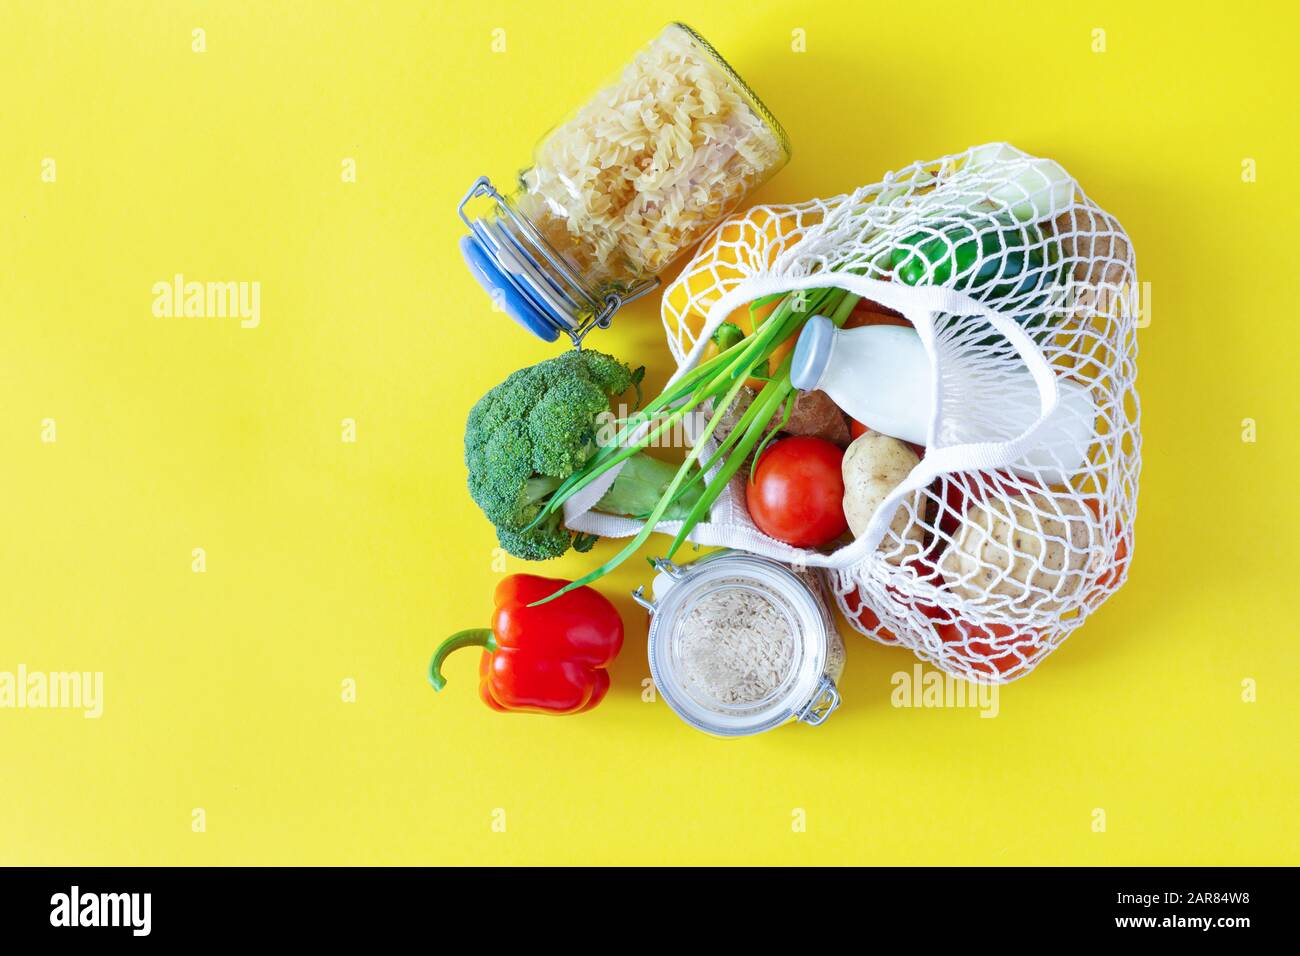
(740,644)
(622,188)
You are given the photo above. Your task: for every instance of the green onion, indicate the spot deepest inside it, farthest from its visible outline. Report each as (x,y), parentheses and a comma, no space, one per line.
(719,380)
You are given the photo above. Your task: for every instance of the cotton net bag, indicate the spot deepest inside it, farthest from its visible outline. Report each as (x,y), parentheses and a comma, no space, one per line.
(992,550)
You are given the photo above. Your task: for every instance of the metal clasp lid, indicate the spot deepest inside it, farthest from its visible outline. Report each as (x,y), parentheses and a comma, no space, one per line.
(545,301)
(482,187)
(823,704)
(674,571)
(639,596)
(665,566)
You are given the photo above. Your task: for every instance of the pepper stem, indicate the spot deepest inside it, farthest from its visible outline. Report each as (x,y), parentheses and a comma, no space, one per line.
(474,637)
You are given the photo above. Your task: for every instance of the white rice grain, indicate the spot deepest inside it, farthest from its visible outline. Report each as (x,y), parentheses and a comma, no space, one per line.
(736,646)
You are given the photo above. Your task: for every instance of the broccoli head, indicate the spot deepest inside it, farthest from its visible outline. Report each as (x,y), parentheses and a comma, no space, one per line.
(528,434)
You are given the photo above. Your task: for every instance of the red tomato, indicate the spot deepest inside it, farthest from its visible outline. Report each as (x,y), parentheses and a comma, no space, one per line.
(866,617)
(1110,576)
(1110,579)
(999,647)
(797,492)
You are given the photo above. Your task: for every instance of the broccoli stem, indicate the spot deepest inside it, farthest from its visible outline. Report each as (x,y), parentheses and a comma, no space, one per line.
(640,486)
(724,384)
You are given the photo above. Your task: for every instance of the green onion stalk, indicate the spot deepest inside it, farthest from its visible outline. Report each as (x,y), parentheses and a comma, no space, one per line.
(719,381)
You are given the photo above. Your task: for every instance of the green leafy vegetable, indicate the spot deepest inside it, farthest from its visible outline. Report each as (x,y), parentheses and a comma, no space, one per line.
(536,429)
(716,381)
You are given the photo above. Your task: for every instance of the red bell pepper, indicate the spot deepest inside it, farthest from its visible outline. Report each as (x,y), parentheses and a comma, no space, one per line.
(550,659)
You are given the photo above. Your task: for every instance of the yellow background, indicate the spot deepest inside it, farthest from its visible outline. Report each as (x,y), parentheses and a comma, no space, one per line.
(329,561)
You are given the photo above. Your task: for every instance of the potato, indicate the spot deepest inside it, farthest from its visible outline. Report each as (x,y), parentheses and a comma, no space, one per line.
(874,465)
(815,414)
(731,417)
(1103,254)
(1022,555)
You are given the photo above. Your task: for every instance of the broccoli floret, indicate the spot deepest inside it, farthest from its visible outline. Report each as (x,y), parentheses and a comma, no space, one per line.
(531,432)
(550,539)
(563,426)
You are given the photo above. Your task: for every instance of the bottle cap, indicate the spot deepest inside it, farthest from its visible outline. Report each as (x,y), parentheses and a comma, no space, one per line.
(517,303)
(812,353)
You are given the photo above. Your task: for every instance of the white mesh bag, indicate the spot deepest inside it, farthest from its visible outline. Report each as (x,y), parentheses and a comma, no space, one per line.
(992,550)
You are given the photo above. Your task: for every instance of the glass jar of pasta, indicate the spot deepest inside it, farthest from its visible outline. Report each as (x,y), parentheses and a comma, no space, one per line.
(624,186)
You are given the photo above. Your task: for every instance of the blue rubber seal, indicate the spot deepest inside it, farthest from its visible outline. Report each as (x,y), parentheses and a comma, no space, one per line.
(502,288)
(812,353)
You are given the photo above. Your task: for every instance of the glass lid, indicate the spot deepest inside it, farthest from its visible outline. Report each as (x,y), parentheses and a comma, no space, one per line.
(737,643)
